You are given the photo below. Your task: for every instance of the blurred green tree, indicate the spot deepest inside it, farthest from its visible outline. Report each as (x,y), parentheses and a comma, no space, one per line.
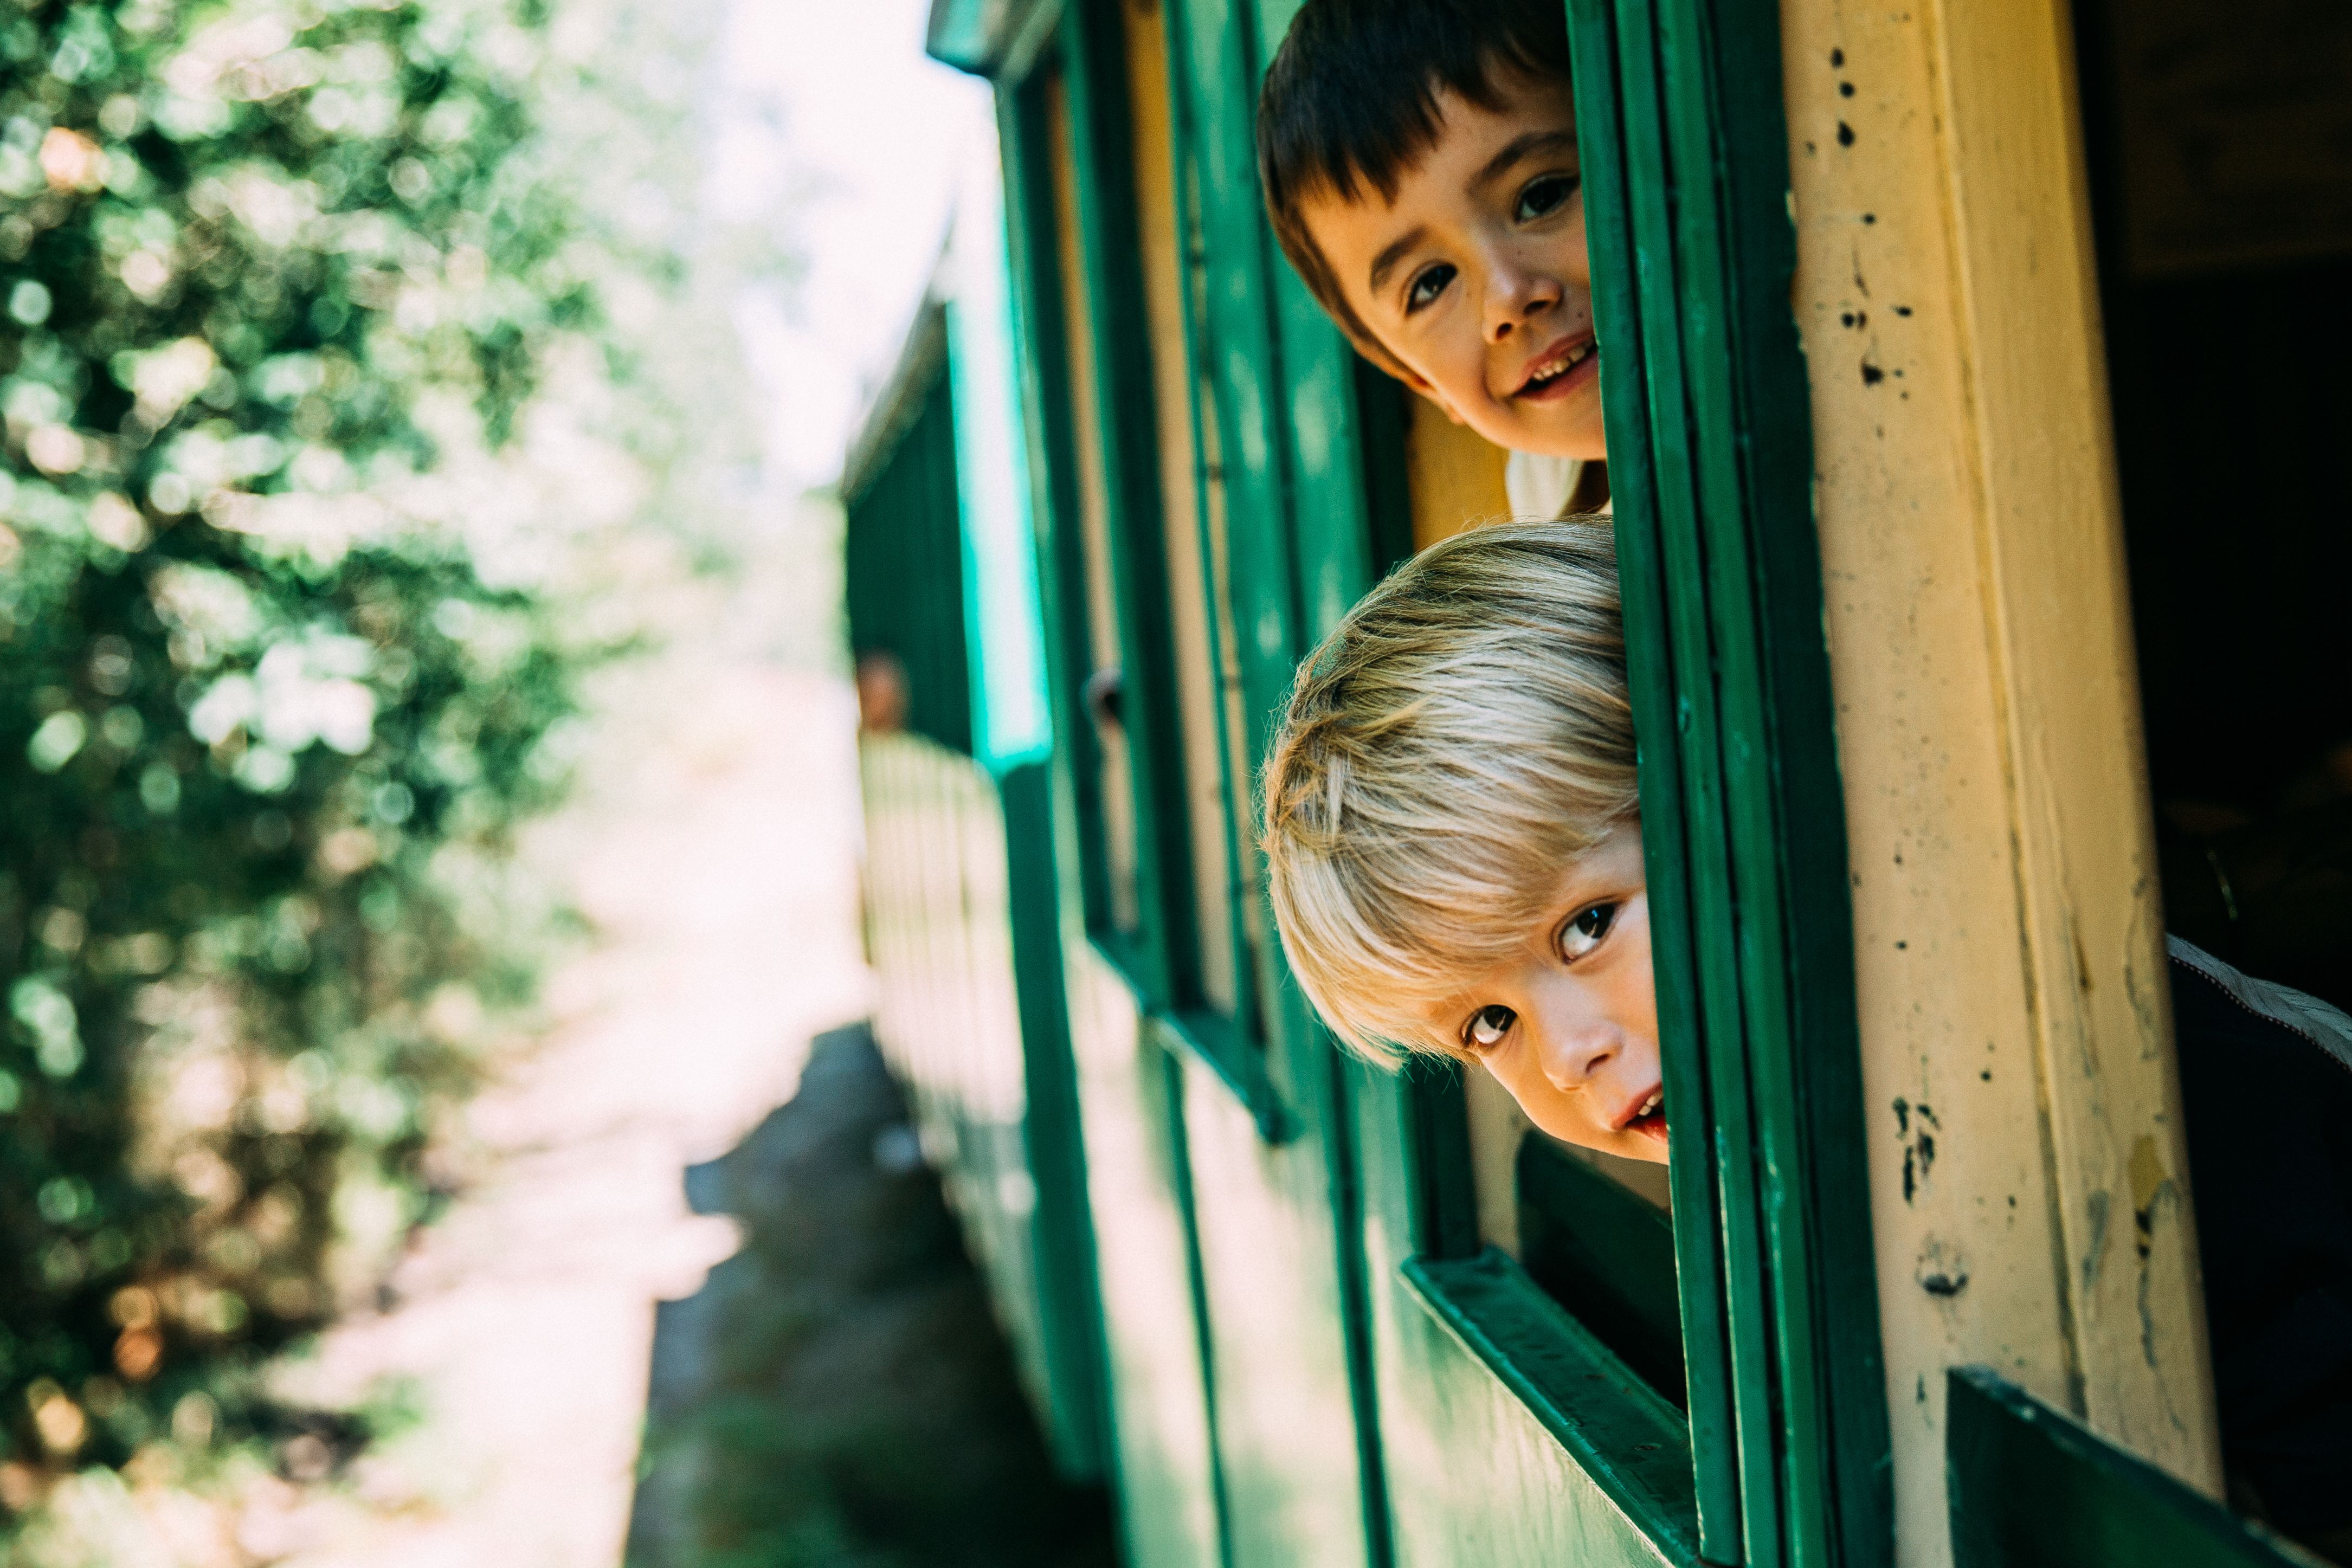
(256,718)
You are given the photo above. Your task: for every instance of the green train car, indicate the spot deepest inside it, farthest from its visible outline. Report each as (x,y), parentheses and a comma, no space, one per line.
(1975,640)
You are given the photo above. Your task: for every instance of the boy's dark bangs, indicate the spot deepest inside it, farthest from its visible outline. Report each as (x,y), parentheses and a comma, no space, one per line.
(1351,97)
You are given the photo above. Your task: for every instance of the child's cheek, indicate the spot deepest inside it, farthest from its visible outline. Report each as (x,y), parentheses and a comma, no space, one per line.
(1553,1112)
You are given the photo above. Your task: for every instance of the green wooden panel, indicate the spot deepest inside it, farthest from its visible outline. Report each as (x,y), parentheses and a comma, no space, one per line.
(1611,168)
(1687,192)
(1043,361)
(2033,1488)
(1282,1380)
(1633,1445)
(1158,1427)
(1466,1357)
(1070,1306)
(1213,64)
(1273,1178)
(1137,1188)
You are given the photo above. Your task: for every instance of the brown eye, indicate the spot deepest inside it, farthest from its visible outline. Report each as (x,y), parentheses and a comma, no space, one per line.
(1585,929)
(1545,195)
(1487,1026)
(1427,287)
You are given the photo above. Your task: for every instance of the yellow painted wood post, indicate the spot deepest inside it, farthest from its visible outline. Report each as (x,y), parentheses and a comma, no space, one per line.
(2028,1195)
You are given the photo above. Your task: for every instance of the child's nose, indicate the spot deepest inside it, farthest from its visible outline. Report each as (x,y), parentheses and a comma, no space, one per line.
(1515,295)
(1571,1055)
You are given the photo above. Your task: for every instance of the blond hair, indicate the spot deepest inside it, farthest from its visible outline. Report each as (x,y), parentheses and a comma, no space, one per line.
(1459,740)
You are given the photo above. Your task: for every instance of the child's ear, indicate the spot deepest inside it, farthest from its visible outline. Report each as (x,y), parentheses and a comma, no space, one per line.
(1433,395)
(1405,373)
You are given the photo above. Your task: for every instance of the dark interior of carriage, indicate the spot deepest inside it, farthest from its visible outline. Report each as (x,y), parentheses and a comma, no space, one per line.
(2219,134)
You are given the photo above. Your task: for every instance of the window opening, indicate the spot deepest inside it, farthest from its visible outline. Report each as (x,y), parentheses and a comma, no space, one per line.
(2219,141)
(1594,1230)
(1182,497)
(2222,179)
(1102,682)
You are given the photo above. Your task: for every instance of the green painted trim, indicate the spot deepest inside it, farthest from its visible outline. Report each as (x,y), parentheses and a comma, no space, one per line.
(1210,1040)
(1608,175)
(1354,1268)
(1443,1221)
(1634,1446)
(1687,198)
(995,39)
(1054,1125)
(1347,517)
(1179,1143)
(1069,1304)
(1605,1253)
(2033,1488)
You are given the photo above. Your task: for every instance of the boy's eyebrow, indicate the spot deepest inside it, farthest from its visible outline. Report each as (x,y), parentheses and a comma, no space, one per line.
(1384,263)
(1519,147)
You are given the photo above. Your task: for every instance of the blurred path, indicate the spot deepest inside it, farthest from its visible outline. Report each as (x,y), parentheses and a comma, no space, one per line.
(713,847)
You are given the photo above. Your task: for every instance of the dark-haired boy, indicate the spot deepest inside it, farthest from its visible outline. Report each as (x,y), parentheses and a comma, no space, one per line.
(1420,164)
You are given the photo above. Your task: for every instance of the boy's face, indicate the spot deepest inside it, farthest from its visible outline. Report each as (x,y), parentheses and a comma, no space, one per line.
(1568,1024)
(1475,280)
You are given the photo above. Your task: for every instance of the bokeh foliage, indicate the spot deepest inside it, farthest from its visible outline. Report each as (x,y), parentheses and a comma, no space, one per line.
(262,723)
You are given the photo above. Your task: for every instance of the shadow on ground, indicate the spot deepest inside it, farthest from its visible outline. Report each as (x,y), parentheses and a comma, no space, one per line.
(838,1395)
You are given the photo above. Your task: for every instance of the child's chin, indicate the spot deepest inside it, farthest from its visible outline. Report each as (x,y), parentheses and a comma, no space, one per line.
(1546,432)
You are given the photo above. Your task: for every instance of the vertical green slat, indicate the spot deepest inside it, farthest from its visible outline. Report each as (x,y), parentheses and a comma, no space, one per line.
(1731,1387)
(1094,76)
(1748,749)
(1335,539)
(1179,1143)
(1707,255)
(1052,1128)
(1200,53)
(1698,1262)
(1804,1056)
(1677,312)
(1069,1305)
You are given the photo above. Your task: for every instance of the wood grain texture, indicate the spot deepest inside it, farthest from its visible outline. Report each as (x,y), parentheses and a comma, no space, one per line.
(2024,1121)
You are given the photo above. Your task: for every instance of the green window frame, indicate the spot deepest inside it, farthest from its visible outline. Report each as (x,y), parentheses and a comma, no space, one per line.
(1685,159)
(1081,47)
(1780,1456)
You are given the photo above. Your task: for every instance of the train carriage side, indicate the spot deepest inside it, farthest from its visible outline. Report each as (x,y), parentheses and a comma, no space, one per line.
(1920,1284)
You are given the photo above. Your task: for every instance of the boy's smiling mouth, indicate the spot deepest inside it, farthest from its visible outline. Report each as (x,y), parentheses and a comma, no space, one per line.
(1645,1115)
(1561,370)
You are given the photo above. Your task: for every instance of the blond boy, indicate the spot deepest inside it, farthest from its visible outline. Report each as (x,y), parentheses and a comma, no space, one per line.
(1452,831)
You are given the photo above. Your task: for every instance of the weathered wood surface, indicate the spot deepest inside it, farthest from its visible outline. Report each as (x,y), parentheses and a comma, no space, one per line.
(2029,1200)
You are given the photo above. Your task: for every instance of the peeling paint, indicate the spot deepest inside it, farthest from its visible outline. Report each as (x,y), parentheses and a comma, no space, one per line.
(1942,1272)
(2097,1206)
